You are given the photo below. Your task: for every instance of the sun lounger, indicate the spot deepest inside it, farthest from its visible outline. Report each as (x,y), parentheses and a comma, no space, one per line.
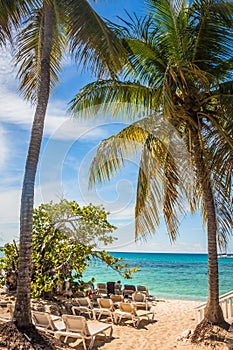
(116,299)
(10,307)
(102,288)
(139,300)
(4,303)
(128,290)
(45,321)
(84,306)
(143,289)
(128,310)
(106,307)
(77,327)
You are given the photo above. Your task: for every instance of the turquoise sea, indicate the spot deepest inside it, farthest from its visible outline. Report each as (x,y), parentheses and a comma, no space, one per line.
(170,276)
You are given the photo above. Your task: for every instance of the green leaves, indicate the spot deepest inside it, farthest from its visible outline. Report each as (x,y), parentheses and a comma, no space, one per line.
(87,225)
(180,67)
(11,15)
(117,264)
(76,27)
(124,99)
(65,238)
(29,52)
(91,41)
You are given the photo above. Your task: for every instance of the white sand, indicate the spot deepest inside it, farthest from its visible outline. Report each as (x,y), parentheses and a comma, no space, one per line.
(172,318)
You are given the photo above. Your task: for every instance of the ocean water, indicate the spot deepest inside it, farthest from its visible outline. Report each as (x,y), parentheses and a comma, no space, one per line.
(168,276)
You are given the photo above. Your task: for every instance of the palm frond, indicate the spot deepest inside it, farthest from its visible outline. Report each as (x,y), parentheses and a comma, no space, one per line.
(91,40)
(158,175)
(167,28)
(115,152)
(30,43)
(226,88)
(148,199)
(164,171)
(212,35)
(11,16)
(119,98)
(145,63)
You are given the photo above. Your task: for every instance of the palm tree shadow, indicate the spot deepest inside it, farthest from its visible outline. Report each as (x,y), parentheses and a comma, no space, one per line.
(144,323)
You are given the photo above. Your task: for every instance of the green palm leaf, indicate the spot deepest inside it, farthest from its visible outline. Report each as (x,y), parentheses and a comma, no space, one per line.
(91,41)
(212,35)
(127,98)
(30,44)
(163,172)
(11,15)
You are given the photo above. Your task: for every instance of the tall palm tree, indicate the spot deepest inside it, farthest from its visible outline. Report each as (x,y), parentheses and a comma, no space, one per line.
(48,28)
(179,69)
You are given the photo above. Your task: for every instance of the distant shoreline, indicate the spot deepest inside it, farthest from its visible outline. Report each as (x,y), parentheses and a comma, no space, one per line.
(153,252)
(148,252)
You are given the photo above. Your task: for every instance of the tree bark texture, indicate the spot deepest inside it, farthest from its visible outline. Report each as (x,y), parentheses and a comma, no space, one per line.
(213,311)
(22,312)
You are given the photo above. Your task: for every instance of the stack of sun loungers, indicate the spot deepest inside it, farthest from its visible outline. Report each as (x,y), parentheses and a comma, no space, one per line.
(104,289)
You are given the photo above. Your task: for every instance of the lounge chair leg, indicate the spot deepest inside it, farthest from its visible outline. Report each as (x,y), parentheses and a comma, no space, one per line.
(76,342)
(110,334)
(137,322)
(117,319)
(84,345)
(92,342)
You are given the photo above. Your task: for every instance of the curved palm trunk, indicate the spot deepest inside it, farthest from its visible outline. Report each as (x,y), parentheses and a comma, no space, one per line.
(213,311)
(22,312)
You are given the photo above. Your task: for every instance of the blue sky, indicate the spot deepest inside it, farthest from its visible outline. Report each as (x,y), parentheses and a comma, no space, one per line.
(67,150)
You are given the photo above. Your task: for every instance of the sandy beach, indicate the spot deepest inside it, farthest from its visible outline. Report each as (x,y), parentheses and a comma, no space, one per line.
(172,319)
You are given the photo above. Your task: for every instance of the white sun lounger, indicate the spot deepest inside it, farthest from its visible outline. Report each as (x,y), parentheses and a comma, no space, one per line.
(128,310)
(78,327)
(45,321)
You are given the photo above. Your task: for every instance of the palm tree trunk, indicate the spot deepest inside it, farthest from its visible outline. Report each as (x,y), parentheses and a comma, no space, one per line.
(22,312)
(213,311)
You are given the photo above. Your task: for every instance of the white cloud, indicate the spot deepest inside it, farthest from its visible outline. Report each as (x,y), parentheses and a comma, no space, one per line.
(10,204)
(15,110)
(3,147)
(66,128)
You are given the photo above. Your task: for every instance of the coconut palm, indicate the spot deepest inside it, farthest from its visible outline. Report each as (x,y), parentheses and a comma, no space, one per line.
(48,29)
(179,70)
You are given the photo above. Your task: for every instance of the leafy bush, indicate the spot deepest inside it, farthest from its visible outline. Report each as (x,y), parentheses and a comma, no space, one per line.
(65,238)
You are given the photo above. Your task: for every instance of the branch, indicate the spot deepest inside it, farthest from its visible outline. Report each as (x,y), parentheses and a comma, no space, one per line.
(52,271)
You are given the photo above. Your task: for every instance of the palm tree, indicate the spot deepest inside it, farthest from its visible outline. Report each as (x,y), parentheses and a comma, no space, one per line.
(179,70)
(48,28)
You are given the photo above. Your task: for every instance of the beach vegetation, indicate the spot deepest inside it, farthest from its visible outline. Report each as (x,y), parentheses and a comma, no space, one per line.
(66,237)
(177,89)
(42,33)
